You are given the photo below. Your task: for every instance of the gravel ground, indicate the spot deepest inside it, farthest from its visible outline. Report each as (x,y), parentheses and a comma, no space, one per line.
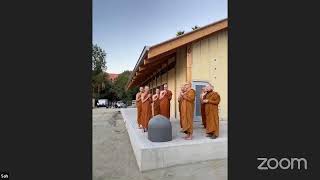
(113,156)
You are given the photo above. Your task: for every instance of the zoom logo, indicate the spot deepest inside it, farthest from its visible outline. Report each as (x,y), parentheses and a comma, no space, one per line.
(283,163)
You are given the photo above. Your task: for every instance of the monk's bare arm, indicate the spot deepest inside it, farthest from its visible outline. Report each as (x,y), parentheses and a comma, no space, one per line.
(161,95)
(202,98)
(170,95)
(143,99)
(155,97)
(202,95)
(138,97)
(180,97)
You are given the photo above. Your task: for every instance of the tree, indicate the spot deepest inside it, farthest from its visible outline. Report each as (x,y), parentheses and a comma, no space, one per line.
(109,92)
(195,27)
(121,90)
(179,33)
(98,59)
(120,84)
(102,86)
(99,79)
(131,93)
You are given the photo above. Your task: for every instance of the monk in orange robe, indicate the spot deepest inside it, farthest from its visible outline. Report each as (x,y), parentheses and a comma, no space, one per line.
(156,102)
(146,111)
(203,115)
(212,100)
(180,101)
(139,104)
(165,97)
(187,110)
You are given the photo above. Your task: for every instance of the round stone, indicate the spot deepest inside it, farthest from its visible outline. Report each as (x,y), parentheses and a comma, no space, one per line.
(159,129)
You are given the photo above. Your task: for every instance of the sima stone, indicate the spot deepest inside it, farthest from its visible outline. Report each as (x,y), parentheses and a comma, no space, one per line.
(159,129)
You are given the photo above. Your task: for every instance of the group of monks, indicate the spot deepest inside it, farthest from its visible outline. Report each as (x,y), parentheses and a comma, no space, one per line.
(149,106)
(159,103)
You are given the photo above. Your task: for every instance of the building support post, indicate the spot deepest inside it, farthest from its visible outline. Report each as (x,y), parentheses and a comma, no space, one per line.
(160,76)
(167,71)
(189,63)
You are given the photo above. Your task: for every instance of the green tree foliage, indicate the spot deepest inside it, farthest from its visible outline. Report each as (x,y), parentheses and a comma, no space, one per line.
(179,33)
(98,59)
(121,90)
(99,80)
(131,93)
(102,87)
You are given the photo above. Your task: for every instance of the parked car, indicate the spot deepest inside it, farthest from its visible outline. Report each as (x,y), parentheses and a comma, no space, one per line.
(102,103)
(133,104)
(120,104)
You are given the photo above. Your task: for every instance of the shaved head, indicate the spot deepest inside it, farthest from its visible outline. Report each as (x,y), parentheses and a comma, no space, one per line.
(187,85)
(209,87)
(146,88)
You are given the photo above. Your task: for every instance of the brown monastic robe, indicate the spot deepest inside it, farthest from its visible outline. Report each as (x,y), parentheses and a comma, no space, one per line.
(180,101)
(146,112)
(187,112)
(203,115)
(165,104)
(211,109)
(156,106)
(139,104)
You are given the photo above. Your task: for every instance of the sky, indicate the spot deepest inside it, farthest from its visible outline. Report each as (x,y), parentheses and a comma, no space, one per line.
(123,27)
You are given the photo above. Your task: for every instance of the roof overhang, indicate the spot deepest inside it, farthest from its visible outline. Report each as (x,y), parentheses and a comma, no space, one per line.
(152,57)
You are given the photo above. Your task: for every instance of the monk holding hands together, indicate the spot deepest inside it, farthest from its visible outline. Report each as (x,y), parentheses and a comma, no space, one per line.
(211,101)
(187,110)
(146,108)
(139,104)
(203,114)
(165,97)
(156,102)
(180,102)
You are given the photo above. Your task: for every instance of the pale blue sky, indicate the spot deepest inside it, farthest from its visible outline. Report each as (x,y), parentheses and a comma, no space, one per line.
(123,27)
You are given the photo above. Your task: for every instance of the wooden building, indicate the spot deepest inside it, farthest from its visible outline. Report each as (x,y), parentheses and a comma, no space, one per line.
(200,56)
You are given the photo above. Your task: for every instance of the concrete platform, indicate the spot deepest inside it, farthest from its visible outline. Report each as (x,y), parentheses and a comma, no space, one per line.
(154,155)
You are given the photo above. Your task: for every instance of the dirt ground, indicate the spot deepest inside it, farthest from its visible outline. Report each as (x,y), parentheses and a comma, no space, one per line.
(113,156)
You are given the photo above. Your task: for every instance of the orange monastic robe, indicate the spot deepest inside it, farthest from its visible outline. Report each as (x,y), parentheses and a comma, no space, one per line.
(156,107)
(211,109)
(165,104)
(139,104)
(146,112)
(203,115)
(187,111)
